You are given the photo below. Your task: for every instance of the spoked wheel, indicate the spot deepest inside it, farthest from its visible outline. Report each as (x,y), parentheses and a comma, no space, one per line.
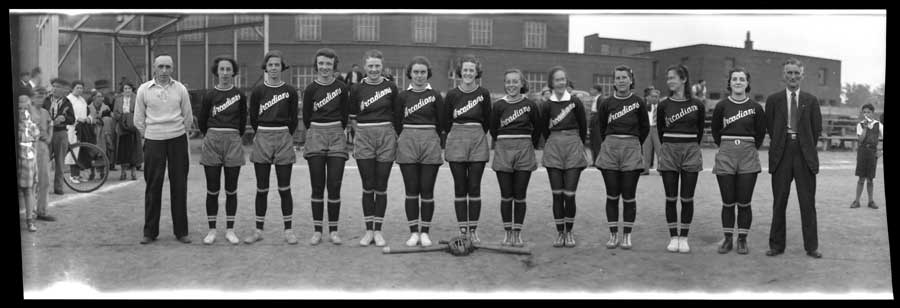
(87,167)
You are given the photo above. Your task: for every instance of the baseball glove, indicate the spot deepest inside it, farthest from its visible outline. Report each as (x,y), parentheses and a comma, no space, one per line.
(460,246)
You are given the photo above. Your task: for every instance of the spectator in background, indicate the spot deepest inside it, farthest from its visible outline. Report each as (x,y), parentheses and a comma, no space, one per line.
(387,75)
(597,94)
(130,151)
(354,76)
(63,115)
(545,94)
(109,138)
(41,117)
(651,145)
(27,134)
(699,91)
(869,131)
(24,82)
(101,117)
(81,130)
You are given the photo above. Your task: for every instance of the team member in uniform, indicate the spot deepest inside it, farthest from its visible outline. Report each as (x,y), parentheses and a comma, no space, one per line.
(419,147)
(623,123)
(468,108)
(378,115)
(273,115)
(515,128)
(325,110)
(868,131)
(565,128)
(679,121)
(222,119)
(738,128)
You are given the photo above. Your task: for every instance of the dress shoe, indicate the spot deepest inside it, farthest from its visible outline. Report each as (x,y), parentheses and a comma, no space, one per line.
(872,205)
(814,254)
(147,240)
(742,247)
(854,205)
(727,245)
(45,218)
(184,239)
(58,192)
(772,253)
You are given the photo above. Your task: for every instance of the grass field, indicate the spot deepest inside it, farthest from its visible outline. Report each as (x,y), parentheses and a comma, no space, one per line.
(95,242)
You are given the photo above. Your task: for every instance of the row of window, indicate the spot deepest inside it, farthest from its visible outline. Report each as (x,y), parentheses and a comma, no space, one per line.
(821,74)
(367,29)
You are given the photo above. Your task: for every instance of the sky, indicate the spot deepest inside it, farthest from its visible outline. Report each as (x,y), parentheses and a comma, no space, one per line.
(857,38)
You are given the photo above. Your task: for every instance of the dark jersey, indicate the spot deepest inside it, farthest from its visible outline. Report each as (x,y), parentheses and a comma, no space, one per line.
(423,108)
(622,116)
(223,109)
(746,118)
(323,103)
(274,106)
(468,107)
(517,117)
(372,103)
(680,117)
(564,115)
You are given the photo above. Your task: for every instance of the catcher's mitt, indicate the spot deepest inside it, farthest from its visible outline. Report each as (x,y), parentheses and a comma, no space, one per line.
(460,246)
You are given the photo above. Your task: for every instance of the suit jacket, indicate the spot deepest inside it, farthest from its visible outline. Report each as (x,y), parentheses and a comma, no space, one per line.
(808,131)
(64,109)
(125,120)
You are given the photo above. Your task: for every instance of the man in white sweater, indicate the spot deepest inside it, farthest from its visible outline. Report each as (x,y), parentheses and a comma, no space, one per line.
(162,114)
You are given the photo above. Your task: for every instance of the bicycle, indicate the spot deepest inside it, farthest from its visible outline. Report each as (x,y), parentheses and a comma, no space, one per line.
(81,156)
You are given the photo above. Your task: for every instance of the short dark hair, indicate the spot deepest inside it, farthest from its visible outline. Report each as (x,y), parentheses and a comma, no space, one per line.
(328,53)
(215,65)
(598,87)
(700,81)
(868,106)
(277,54)
(793,61)
(76,83)
(737,70)
(552,71)
(524,88)
(625,68)
(59,81)
(130,84)
(682,72)
(418,60)
(470,59)
(373,53)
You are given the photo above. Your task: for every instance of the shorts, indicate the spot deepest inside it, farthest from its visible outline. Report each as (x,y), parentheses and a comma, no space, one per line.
(737,156)
(273,146)
(467,143)
(326,140)
(222,148)
(620,154)
(679,157)
(564,150)
(377,142)
(866,161)
(419,146)
(514,154)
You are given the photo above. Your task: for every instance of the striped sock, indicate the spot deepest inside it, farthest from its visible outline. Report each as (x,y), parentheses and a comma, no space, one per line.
(460,203)
(474,211)
(687,215)
(569,202)
(629,209)
(318,211)
(287,206)
(380,208)
(368,205)
(229,222)
(518,214)
(612,213)
(728,220)
(745,217)
(412,213)
(672,215)
(506,213)
(427,214)
(334,212)
(212,208)
(230,208)
(261,206)
(559,210)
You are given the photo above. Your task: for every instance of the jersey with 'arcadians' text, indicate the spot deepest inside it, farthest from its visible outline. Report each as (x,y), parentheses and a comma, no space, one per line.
(468,107)
(685,117)
(424,107)
(565,114)
(274,106)
(516,117)
(622,116)
(376,102)
(745,118)
(323,103)
(223,108)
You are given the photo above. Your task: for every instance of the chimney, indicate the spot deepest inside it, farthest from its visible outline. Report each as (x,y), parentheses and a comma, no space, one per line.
(748,44)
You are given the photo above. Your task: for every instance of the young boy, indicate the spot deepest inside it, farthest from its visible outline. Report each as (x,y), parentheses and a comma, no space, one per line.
(869,131)
(28,133)
(41,117)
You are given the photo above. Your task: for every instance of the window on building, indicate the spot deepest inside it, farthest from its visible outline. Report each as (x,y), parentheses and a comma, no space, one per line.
(481,31)
(240,80)
(309,27)
(606,81)
(715,95)
(823,73)
(684,60)
(604,49)
(191,22)
(252,33)
(759,98)
(729,64)
(367,27)
(302,76)
(399,73)
(424,29)
(536,81)
(833,102)
(535,35)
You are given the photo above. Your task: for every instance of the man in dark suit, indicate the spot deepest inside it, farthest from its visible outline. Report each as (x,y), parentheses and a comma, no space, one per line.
(794,124)
(354,76)
(63,115)
(24,82)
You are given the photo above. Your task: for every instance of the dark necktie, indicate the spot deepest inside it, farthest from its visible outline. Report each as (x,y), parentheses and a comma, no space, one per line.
(795,115)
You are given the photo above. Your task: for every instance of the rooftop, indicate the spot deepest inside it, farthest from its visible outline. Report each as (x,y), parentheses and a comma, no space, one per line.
(739,48)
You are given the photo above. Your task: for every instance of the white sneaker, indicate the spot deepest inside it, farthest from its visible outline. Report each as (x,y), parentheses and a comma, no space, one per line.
(613,241)
(426,241)
(413,240)
(379,239)
(366,239)
(626,241)
(75,180)
(316,238)
(255,237)
(673,244)
(683,245)
(335,238)
(231,237)
(210,237)
(290,237)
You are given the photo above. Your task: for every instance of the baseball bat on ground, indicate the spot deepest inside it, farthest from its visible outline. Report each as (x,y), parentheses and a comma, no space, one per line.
(389,250)
(504,249)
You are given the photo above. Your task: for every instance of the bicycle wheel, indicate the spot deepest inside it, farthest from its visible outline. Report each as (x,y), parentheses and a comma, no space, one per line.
(87,165)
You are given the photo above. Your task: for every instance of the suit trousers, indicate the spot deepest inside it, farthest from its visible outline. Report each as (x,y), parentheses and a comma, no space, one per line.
(651,146)
(59,144)
(793,167)
(157,155)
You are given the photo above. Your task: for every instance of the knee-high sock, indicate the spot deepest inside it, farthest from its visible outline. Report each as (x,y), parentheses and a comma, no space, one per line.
(744,218)
(670,185)
(335,176)
(571,186)
(428,175)
(283,175)
(410,173)
(505,179)
(611,179)
(746,183)
(367,175)
(231,180)
(317,167)
(688,183)
(629,204)
(556,188)
(382,174)
(520,190)
(262,192)
(476,171)
(518,214)
(460,202)
(728,190)
(212,194)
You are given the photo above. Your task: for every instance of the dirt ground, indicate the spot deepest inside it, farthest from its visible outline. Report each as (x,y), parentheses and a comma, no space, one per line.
(95,242)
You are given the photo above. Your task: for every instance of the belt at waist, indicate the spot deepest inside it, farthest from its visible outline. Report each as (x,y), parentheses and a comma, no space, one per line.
(272,128)
(468,124)
(513,136)
(679,135)
(729,137)
(325,124)
(422,126)
(224,129)
(622,136)
(564,131)
(373,124)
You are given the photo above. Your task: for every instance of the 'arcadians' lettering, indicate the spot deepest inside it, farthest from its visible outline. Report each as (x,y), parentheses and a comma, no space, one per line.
(230,101)
(328,98)
(684,112)
(515,115)
(741,114)
(623,112)
(373,99)
(562,115)
(469,105)
(275,99)
(422,102)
